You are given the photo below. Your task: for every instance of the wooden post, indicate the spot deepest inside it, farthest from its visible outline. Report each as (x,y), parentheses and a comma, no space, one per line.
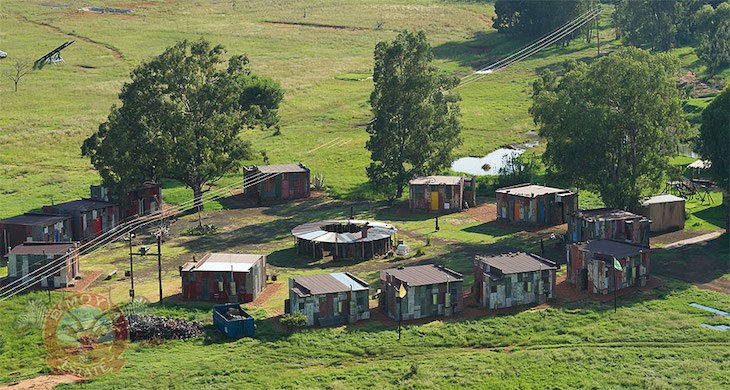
(131,268)
(159,262)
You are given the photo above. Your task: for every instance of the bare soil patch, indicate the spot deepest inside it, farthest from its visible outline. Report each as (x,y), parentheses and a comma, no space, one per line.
(270,290)
(567,290)
(42,382)
(678,235)
(85,282)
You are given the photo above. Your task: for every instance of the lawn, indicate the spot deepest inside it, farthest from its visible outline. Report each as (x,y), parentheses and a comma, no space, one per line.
(656,327)
(324,71)
(572,345)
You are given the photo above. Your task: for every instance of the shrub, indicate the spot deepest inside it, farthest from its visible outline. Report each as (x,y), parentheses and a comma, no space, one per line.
(200,230)
(293,321)
(428,239)
(318,182)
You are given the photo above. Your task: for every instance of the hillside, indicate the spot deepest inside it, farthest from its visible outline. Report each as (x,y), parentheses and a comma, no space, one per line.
(321,55)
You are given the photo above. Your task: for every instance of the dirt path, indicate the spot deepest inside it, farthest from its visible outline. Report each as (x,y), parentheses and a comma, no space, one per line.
(81,285)
(695,240)
(268,292)
(114,51)
(42,382)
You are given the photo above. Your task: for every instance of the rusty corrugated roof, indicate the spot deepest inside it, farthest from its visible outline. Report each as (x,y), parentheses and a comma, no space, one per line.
(42,248)
(619,250)
(327,284)
(279,168)
(33,219)
(437,180)
(421,275)
(531,190)
(512,263)
(606,214)
(83,205)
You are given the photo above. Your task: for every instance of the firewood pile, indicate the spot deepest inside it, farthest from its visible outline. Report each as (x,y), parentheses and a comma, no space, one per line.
(148,327)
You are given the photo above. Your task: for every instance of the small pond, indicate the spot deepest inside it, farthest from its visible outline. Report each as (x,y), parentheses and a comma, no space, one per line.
(495,159)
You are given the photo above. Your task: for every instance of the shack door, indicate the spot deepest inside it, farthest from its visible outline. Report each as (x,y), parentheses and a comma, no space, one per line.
(98,225)
(277,187)
(541,212)
(434,200)
(517,211)
(285,188)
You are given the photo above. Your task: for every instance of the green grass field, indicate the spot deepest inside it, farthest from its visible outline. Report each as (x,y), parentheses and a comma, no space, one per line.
(322,55)
(324,71)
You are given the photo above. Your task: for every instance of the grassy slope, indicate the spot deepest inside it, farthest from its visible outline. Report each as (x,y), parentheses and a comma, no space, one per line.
(42,126)
(654,341)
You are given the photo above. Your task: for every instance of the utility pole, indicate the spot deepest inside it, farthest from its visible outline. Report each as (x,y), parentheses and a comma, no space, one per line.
(598,37)
(131,266)
(159,262)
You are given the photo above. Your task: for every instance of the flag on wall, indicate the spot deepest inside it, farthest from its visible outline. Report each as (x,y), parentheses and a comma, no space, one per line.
(617,265)
(402,291)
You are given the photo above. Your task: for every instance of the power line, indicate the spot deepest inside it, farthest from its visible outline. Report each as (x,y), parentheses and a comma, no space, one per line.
(140,222)
(132,224)
(532,48)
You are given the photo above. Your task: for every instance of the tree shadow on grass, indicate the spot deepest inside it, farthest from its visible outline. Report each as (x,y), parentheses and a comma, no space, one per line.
(484,47)
(714,215)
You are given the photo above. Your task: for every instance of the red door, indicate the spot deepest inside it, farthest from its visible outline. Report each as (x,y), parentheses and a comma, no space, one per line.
(98,225)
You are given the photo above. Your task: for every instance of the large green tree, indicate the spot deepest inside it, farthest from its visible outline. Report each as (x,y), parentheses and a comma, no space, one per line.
(181,117)
(536,18)
(714,140)
(658,24)
(713,35)
(416,114)
(610,126)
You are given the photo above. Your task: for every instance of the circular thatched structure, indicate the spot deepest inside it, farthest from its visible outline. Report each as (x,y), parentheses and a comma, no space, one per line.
(345,239)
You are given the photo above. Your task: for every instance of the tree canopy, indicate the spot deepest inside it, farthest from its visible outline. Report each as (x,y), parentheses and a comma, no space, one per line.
(657,24)
(714,139)
(416,115)
(610,126)
(535,18)
(713,35)
(181,117)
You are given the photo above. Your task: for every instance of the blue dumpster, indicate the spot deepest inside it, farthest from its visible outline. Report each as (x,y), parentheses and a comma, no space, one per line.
(233,321)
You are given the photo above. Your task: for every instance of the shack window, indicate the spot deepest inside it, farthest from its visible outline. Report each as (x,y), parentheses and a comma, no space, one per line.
(301,305)
(519,277)
(447,192)
(508,287)
(493,288)
(362,301)
(434,188)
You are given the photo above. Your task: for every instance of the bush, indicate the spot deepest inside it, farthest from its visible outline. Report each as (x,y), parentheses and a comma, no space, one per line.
(200,230)
(428,239)
(293,321)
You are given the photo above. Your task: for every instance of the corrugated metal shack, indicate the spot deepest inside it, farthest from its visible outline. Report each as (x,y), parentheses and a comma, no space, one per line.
(144,200)
(605,223)
(33,227)
(513,279)
(89,218)
(535,205)
(590,265)
(441,193)
(666,212)
(224,277)
(30,256)
(291,182)
(328,299)
(431,290)
(344,239)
